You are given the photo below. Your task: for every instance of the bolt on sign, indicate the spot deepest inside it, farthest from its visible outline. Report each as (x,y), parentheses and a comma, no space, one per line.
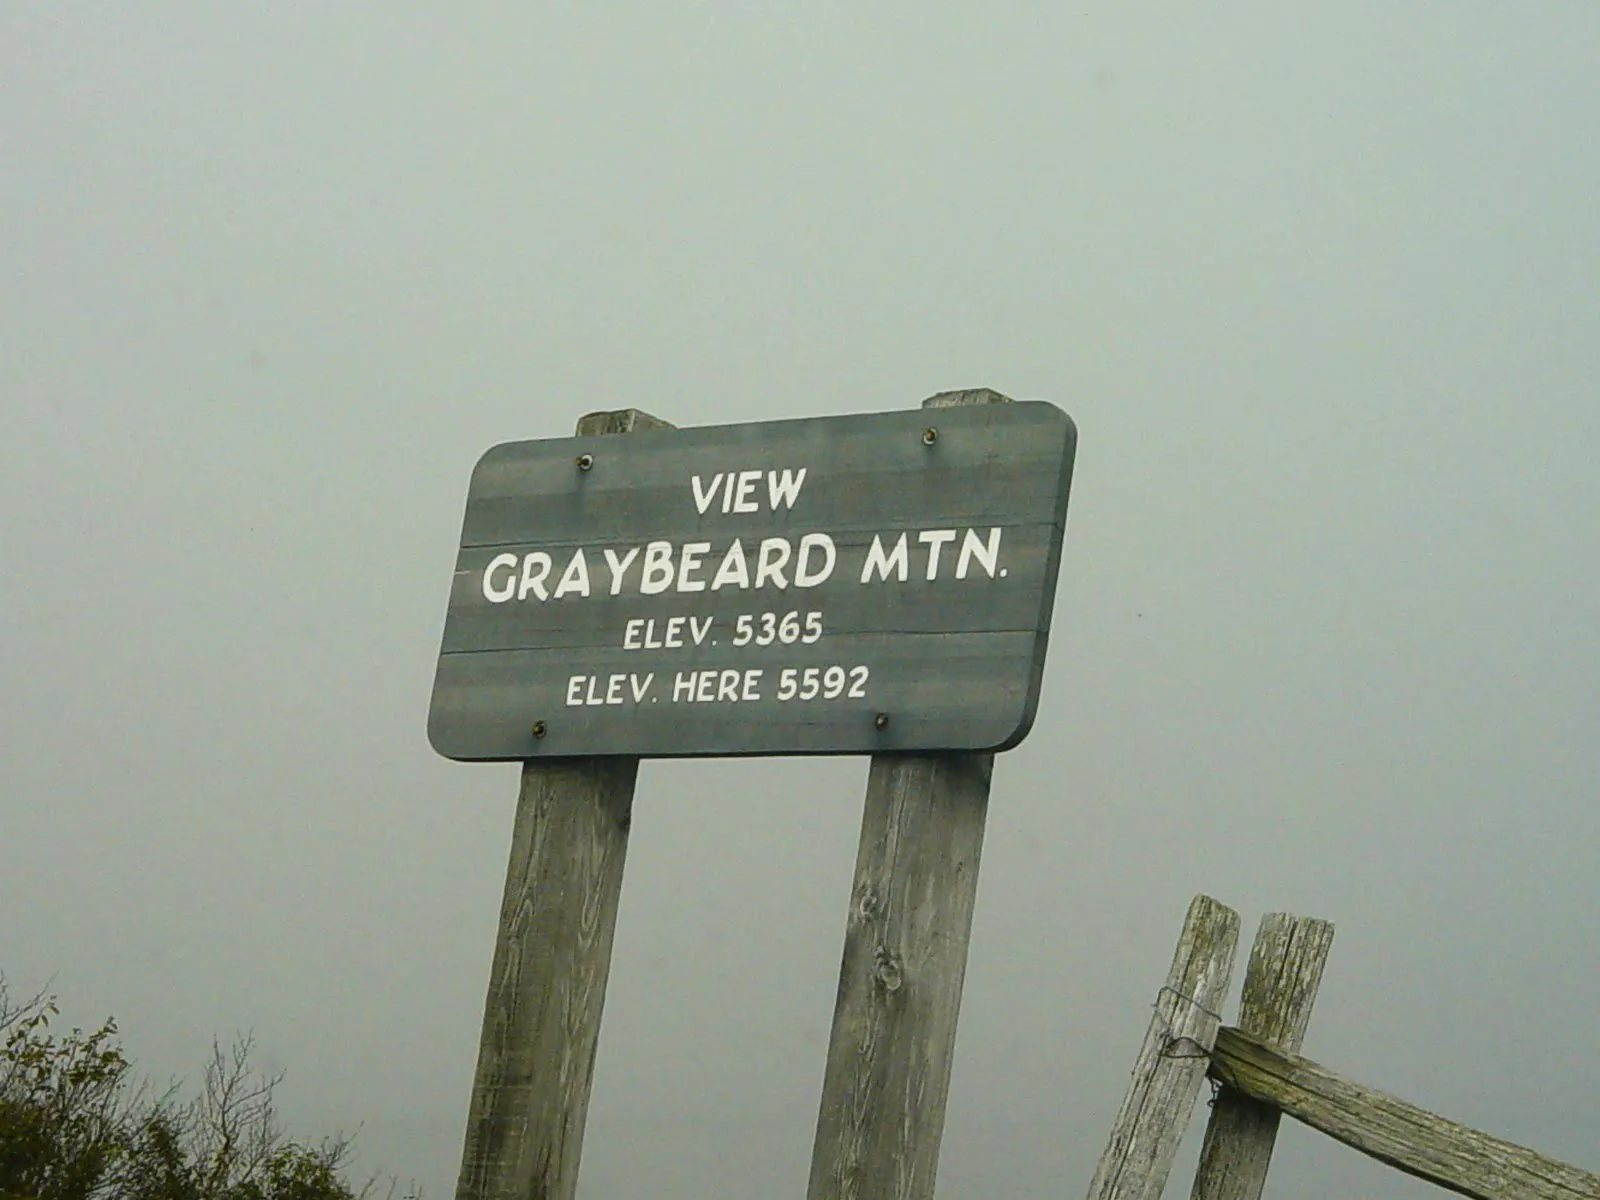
(837,585)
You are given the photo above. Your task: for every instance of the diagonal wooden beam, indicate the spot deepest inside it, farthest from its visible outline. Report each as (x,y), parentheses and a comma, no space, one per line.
(1392,1130)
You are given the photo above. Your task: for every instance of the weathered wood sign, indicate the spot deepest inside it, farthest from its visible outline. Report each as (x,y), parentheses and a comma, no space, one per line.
(836,585)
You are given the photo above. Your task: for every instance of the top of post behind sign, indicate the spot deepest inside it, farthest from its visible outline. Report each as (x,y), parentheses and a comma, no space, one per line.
(856,584)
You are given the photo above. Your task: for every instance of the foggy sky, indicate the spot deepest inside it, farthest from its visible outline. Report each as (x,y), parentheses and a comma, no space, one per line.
(1317,283)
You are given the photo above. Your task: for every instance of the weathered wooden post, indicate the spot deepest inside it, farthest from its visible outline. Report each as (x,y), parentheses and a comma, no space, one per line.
(905,960)
(552,956)
(1262,1077)
(1172,1061)
(1280,986)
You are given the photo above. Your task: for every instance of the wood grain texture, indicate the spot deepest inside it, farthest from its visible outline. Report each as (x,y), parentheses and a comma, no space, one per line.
(618,420)
(905,960)
(1280,987)
(1172,1061)
(552,957)
(1393,1131)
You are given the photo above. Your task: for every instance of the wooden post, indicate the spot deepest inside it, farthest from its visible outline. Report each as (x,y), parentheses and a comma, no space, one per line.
(1172,1062)
(552,955)
(905,959)
(1280,986)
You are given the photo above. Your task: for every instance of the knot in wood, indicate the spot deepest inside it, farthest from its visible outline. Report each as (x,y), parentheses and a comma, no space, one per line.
(890,976)
(867,903)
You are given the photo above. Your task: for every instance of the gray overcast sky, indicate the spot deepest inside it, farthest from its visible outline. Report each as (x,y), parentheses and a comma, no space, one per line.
(1318,284)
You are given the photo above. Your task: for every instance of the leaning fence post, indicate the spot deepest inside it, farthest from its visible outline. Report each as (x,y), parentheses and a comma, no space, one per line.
(1172,1062)
(1280,986)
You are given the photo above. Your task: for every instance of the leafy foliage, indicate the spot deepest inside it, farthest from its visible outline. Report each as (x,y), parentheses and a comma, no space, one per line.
(76,1125)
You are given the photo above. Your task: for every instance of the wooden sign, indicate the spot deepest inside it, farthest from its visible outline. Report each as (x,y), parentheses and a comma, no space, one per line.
(836,585)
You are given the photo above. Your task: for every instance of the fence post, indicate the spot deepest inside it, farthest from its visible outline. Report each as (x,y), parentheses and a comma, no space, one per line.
(1280,986)
(1173,1059)
(905,959)
(552,956)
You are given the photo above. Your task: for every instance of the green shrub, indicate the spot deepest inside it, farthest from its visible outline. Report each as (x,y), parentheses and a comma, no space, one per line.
(75,1124)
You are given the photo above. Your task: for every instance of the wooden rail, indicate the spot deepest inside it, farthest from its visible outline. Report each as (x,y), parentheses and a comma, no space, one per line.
(1262,1075)
(1392,1131)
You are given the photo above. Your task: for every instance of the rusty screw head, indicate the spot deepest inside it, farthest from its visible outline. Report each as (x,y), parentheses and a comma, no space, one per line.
(538,729)
(881,721)
(585,461)
(930,435)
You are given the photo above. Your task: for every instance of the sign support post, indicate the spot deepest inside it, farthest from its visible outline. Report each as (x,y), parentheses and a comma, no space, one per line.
(877,583)
(552,956)
(905,960)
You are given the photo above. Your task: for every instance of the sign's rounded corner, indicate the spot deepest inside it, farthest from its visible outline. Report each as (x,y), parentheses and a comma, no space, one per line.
(1057,414)
(1022,729)
(439,748)
(486,460)
(1071,428)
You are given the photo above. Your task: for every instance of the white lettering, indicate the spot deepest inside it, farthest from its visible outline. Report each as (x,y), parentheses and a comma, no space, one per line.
(805,560)
(934,539)
(728,685)
(804,576)
(576,577)
(582,690)
(631,633)
(742,502)
(657,575)
(704,687)
(683,687)
(703,499)
(727,493)
(733,570)
(674,638)
(987,555)
(689,560)
(752,684)
(774,556)
(699,631)
(784,489)
(533,581)
(897,558)
(496,595)
(619,567)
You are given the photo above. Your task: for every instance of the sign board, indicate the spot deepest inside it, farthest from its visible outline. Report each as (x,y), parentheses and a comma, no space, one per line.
(828,586)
